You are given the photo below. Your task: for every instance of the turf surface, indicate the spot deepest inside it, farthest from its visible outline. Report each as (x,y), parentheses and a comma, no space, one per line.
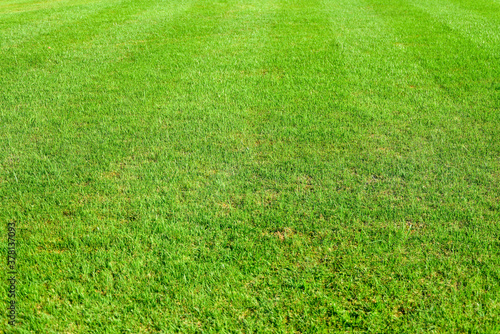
(251,166)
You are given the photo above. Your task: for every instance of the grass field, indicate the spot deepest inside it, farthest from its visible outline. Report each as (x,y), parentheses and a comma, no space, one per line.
(285,166)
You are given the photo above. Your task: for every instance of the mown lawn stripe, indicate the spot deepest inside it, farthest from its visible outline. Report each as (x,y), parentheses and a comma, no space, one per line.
(263,165)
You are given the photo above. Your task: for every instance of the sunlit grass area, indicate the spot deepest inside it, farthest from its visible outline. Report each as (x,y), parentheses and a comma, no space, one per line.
(253,166)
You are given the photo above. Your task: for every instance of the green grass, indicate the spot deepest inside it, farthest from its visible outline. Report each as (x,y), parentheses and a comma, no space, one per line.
(299,166)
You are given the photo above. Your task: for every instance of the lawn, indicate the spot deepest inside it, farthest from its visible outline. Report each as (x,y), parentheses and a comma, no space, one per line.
(259,166)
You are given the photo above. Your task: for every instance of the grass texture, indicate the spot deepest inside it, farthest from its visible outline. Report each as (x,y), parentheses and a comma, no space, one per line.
(284,166)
